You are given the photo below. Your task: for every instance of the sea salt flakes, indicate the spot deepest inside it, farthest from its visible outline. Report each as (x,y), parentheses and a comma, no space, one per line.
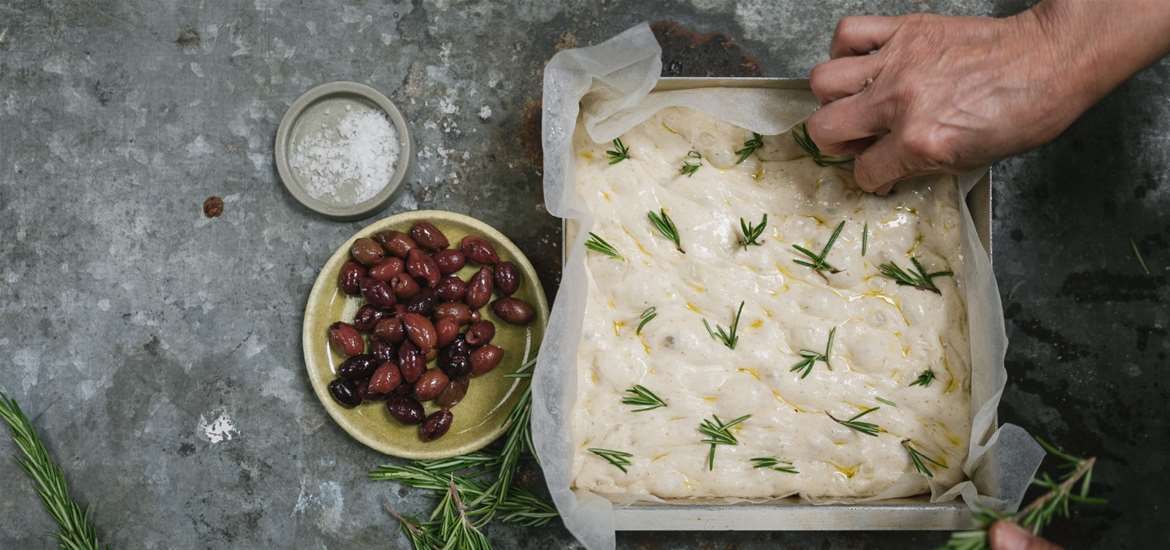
(349,162)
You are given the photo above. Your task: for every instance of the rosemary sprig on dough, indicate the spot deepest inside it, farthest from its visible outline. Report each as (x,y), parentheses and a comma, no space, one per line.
(620,459)
(729,338)
(801,137)
(924,378)
(691,163)
(751,232)
(662,222)
(640,396)
(864,238)
(719,433)
(918,278)
(647,315)
(750,146)
(817,262)
(773,463)
(867,428)
(805,365)
(619,153)
(885,401)
(599,245)
(920,460)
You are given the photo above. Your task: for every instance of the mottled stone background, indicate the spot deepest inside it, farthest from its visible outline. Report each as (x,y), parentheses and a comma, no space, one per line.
(159,350)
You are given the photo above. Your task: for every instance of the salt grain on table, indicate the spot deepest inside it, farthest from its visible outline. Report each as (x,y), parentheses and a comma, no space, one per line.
(348,163)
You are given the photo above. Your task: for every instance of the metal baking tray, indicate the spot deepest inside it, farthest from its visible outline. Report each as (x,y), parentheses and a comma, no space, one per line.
(791,514)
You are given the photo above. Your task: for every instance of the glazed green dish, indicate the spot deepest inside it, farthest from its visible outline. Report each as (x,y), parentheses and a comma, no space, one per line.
(480,418)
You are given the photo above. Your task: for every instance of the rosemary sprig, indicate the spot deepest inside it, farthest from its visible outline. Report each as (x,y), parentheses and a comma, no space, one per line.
(421,535)
(640,396)
(867,428)
(864,238)
(729,338)
(924,378)
(800,135)
(918,278)
(647,315)
(885,401)
(719,433)
(750,146)
(524,508)
(805,365)
(524,370)
(619,459)
(689,167)
(456,529)
(75,531)
(517,440)
(599,245)
(751,233)
(1138,254)
(773,463)
(920,460)
(666,227)
(817,262)
(458,463)
(619,153)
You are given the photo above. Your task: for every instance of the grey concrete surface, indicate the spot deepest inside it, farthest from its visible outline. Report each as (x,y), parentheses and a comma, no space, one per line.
(140,335)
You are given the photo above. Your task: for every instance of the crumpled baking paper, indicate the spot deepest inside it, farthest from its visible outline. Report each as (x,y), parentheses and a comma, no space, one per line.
(608,86)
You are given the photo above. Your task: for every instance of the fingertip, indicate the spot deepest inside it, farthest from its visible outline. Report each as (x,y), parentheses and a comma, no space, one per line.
(1006,535)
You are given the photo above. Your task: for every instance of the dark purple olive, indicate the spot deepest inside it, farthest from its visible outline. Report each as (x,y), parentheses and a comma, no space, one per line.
(405,409)
(404,286)
(480,333)
(507,278)
(422,303)
(367,251)
(451,289)
(396,243)
(345,392)
(449,261)
(454,365)
(459,346)
(357,367)
(411,361)
(478,250)
(428,236)
(436,425)
(367,317)
(453,393)
(387,269)
(377,293)
(383,351)
(479,291)
(513,310)
(349,279)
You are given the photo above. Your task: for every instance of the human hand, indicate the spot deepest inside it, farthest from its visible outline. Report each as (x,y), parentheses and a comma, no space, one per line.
(1006,535)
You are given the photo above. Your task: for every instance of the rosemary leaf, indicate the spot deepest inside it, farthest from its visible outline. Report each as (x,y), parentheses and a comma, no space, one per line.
(751,233)
(773,463)
(662,222)
(918,278)
(864,238)
(422,536)
(647,315)
(691,163)
(524,370)
(920,460)
(924,378)
(719,433)
(729,338)
(867,428)
(640,396)
(816,261)
(619,459)
(599,245)
(1138,254)
(619,153)
(885,401)
(800,135)
(809,357)
(750,146)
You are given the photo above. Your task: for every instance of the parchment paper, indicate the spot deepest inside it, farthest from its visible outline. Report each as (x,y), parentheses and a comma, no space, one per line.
(612,82)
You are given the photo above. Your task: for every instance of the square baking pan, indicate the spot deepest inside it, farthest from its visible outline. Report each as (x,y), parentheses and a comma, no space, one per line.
(792,514)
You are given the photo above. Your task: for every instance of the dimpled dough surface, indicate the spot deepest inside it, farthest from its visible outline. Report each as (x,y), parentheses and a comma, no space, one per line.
(886,334)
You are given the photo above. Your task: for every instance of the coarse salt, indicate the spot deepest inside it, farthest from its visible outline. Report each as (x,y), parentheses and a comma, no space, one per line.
(349,162)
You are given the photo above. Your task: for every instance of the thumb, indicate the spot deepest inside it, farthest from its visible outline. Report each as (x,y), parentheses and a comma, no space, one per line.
(882,164)
(1006,535)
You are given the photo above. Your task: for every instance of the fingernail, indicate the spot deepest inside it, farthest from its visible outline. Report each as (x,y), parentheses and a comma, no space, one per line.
(1006,535)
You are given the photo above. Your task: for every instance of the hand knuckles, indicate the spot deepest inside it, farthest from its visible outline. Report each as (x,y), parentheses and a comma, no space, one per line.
(818,79)
(932,147)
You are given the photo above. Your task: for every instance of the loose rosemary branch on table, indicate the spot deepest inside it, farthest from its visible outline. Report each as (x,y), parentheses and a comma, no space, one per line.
(729,338)
(619,153)
(805,365)
(867,428)
(641,396)
(689,166)
(75,530)
(751,233)
(918,278)
(647,315)
(773,463)
(800,135)
(719,433)
(920,460)
(619,459)
(750,146)
(662,222)
(924,378)
(817,262)
(599,245)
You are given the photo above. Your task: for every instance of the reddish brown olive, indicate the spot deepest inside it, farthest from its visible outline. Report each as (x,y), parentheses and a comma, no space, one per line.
(404,286)
(436,425)
(345,392)
(367,317)
(479,290)
(446,329)
(478,250)
(366,251)
(430,385)
(411,361)
(390,330)
(382,350)
(513,310)
(422,267)
(420,330)
(349,279)
(459,311)
(484,359)
(507,278)
(386,269)
(357,367)
(451,289)
(453,393)
(422,303)
(385,378)
(345,339)
(480,333)
(405,409)
(449,261)
(378,293)
(396,243)
(428,236)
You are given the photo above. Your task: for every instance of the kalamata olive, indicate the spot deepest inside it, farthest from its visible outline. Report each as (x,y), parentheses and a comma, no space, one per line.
(453,363)
(405,409)
(345,392)
(422,303)
(484,359)
(480,333)
(367,317)
(451,289)
(478,250)
(403,389)
(345,339)
(458,310)
(357,367)
(387,269)
(513,310)
(396,243)
(459,346)
(449,261)
(385,378)
(436,425)
(349,279)
(422,267)
(404,286)
(428,236)
(411,361)
(383,351)
(377,293)
(508,278)
(479,290)
(475,316)
(362,387)
(420,330)
(366,251)
(390,330)
(453,393)
(430,384)
(446,329)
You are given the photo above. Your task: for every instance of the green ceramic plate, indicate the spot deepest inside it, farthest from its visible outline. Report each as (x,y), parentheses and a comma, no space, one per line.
(480,417)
